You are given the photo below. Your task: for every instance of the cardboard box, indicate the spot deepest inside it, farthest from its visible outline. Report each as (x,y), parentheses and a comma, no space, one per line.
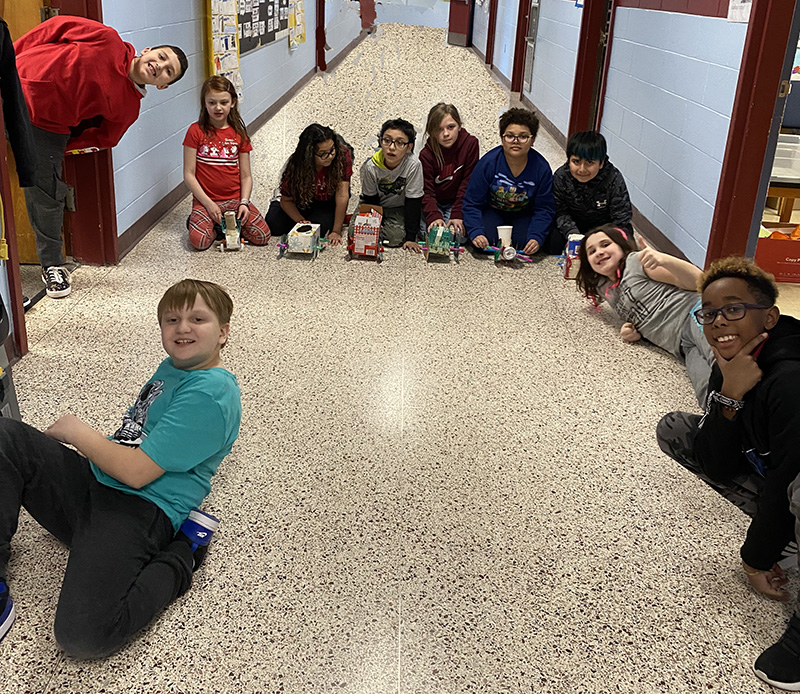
(367,231)
(304,238)
(572,262)
(781,257)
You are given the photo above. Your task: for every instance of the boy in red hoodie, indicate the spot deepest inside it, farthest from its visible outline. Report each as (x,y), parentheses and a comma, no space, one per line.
(83,86)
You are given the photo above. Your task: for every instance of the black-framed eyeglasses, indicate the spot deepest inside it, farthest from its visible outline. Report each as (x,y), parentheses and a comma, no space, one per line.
(388,142)
(326,155)
(736,311)
(522,139)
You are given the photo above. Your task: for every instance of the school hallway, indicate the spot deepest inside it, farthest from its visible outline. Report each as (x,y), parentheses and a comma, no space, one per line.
(447,478)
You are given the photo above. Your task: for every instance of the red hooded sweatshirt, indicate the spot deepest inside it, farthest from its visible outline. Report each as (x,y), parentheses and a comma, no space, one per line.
(73,70)
(447,183)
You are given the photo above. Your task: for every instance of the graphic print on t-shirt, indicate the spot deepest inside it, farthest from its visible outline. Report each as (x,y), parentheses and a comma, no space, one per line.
(395,187)
(509,195)
(130,433)
(224,152)
(631,309)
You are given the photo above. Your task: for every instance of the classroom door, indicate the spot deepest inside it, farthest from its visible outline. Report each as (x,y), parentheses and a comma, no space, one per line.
(21,16)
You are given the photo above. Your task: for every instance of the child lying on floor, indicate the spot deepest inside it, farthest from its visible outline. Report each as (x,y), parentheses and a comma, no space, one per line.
(654,293)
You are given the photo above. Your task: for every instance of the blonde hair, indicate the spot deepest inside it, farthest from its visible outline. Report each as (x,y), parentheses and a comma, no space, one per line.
(184,293)
(435,117)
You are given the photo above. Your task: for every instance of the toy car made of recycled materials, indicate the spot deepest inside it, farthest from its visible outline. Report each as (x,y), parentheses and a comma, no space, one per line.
(302,239)
(508,254)
(229,234)
(440,243)
(366,240)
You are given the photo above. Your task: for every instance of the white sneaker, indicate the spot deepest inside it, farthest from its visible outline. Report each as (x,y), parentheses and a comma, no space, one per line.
(56,280)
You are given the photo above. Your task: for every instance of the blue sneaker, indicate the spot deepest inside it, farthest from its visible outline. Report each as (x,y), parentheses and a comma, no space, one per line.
(198,529)
(7,613)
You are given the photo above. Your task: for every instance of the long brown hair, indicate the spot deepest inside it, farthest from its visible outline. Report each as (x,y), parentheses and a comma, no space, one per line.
(301,171)
(435,117)
(218,83)
(588,280)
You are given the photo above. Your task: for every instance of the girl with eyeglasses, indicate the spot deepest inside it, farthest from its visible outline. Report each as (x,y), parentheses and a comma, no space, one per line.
(315,184)
(216,168)
(448,158)
(511,185)
(654,293)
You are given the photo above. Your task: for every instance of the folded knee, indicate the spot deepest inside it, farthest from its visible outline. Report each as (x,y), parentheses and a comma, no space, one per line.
(84,639)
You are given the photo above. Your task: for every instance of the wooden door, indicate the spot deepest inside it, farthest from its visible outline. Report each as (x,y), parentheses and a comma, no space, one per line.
(21,16)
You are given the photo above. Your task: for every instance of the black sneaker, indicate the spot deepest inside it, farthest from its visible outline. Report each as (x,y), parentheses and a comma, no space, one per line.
(779,665)
(7,613)
(56,279)
(197,530)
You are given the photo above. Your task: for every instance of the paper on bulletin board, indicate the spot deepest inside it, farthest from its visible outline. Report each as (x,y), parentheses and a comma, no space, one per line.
(224,41)
(739,10)
(297,23)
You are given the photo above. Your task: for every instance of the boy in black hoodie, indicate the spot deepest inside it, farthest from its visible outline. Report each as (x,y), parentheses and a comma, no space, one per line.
(746,445)
(589,190)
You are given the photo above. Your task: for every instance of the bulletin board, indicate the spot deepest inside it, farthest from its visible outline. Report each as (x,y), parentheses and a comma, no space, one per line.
(262,22)
(223,38)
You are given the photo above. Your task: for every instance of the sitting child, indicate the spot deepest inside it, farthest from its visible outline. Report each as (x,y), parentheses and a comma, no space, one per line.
(392,178)
(121,503)
(448,158)
(315,185)
(589,190)
(216,168)
(511,185)
(654,293)
(745,445)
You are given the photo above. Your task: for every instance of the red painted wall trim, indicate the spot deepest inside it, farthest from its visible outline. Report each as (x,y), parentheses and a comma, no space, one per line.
(704,8)
(520,46)
(751,119)
(592,27)
(320,36)
(490,32)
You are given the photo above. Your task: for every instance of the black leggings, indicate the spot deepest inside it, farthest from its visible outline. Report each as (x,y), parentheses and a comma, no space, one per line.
(320,212)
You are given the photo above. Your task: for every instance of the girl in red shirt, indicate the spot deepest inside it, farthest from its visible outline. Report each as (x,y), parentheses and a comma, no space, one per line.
(216,168)
(315,185)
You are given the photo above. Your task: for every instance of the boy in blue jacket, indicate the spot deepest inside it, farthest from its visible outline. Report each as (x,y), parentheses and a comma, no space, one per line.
(121,503)
(511,185)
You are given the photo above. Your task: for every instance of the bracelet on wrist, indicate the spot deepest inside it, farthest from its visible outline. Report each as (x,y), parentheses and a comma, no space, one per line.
(244,202)
(724,401)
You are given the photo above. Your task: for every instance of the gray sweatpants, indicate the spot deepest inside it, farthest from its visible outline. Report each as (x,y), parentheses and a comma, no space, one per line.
(45,200)
(698,357)
(676,433)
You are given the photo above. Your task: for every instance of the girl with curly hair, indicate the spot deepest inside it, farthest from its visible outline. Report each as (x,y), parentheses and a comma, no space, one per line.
(654,293)
(216,168)
(315,185)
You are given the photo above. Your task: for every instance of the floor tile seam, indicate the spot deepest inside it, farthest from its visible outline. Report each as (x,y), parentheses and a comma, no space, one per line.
(50,683)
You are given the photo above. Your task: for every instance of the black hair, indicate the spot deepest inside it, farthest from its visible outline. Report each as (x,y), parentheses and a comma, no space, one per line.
(520,116)
(183,61)
(404,126)
(760,283)
(589,145)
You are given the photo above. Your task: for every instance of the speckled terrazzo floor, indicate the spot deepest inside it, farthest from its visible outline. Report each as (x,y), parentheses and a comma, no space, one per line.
(446,480)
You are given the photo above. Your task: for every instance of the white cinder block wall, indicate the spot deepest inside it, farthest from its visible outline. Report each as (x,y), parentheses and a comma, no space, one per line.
(148,162)
(505,36)
(429,13)
(554,61)
(342,25)
(670,91)
(480,27)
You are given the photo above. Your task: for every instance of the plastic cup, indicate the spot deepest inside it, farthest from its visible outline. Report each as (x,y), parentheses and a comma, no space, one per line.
(504,233)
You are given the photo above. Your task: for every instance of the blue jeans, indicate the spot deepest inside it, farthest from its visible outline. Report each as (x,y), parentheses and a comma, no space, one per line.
(124,565)
(444,210)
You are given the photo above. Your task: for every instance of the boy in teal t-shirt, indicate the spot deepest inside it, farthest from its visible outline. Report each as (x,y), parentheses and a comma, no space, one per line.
(121,503)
